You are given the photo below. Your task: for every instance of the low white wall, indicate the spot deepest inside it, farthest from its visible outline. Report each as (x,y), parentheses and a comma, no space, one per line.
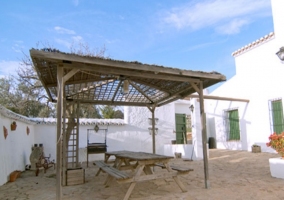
(186,150)
(15,150)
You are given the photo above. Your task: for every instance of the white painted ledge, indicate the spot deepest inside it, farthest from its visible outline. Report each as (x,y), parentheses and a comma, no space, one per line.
(276,167)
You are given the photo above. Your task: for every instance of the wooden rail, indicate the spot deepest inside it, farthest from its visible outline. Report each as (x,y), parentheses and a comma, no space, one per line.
(176,168)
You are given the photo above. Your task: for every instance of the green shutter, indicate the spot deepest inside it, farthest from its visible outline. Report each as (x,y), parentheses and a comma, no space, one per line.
(234,133)
(181,129)
(277,116)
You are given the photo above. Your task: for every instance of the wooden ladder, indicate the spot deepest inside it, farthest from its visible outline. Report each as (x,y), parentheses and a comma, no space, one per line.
(72,152)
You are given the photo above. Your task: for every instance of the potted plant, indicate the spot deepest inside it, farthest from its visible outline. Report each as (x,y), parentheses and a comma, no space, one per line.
(255,148)
(13,126)
(276,141)
(14,175)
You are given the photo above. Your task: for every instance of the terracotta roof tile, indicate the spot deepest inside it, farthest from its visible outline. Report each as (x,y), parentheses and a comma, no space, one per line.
(253,44)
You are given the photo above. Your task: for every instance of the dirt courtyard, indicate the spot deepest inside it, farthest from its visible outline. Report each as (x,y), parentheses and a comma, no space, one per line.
(233,175)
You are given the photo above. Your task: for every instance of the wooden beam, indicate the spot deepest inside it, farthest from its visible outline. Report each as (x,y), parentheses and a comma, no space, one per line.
(153,130)
(43,83)
(71,58)
(114,103)
(89,80)
(149,84)
(59,133)
(167,101)
(116,90)
(152,109)
(86,89)
(175,96)
(136,72)
(204,136)
(216,98)
(195,87)
(138,89)
(70,74)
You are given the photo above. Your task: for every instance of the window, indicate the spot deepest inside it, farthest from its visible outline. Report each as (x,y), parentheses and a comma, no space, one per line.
(276,116)
(232,124)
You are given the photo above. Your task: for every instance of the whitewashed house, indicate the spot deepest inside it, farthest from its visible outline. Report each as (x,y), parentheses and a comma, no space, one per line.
(259,78)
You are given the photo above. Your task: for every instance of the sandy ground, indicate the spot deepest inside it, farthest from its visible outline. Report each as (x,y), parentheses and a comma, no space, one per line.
(233,175)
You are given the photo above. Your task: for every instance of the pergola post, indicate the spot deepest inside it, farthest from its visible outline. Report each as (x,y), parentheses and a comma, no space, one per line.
(60,84)
(153,128)
(204,135)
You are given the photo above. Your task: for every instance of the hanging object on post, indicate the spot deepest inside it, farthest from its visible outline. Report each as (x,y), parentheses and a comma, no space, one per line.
(125,89)
(151,131)
(150,121)
(96,128)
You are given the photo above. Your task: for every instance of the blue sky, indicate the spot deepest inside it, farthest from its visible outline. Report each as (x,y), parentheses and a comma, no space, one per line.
(188,34)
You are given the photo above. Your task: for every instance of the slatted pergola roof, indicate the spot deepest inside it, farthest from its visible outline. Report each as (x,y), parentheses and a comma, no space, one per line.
(111,82)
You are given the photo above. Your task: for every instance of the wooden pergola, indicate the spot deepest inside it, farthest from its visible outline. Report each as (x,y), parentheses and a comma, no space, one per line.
(74,79)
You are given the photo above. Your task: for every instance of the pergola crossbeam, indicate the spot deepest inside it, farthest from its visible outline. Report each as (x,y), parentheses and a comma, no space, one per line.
(217,98)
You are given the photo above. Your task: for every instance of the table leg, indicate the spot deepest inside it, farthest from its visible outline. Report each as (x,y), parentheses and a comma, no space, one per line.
(98,172)
(180,184)
(129,191)
(87,159)
(138,172)
(117,164)
(176,178)
(127,163)
(147,170)
(106,159)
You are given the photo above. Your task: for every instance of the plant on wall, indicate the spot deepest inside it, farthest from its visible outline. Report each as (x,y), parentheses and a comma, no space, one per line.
(13,126)
(5,131)
(28,130)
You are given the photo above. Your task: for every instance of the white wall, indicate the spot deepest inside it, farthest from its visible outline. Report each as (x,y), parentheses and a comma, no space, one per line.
(133,136)
(15,150)
(138,122)
(46,135)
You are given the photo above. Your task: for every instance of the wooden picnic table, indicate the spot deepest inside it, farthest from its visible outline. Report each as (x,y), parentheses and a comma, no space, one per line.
(140,162)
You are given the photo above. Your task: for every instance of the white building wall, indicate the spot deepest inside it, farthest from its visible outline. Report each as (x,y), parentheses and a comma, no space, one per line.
(138,120)
(259,74)
(197,130)
(194,150)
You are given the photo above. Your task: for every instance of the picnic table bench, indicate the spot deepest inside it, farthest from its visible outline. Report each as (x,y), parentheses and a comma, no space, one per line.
(180,169)
(114,172)
(143,162)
